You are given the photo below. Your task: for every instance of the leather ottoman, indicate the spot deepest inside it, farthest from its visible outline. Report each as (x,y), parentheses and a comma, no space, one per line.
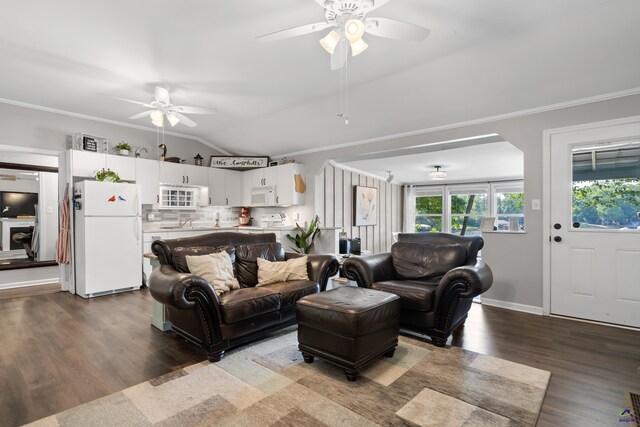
(348,326)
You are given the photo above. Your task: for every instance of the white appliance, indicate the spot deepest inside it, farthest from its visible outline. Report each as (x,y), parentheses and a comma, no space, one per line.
(263,196)
(107,237)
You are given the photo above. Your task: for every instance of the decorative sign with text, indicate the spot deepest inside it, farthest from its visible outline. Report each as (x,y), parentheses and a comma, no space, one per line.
(239,163)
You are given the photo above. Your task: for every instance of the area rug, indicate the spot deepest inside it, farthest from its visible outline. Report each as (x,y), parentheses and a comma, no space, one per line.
(268,384)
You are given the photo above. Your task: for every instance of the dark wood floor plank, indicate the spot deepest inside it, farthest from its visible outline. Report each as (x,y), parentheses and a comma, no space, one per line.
(59,350)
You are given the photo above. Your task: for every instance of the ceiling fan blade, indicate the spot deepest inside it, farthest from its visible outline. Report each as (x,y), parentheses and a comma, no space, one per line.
(394,29)
(294,32)
(339,56)
(376,4)
(139,115)
(185,120)
(133,102)
(162,95)
(194,110)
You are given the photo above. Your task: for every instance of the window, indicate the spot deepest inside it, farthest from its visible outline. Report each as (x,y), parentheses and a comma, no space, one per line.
(459,209)
(177,198)
(429,209)
(606,188)
(468,205)
(508,200)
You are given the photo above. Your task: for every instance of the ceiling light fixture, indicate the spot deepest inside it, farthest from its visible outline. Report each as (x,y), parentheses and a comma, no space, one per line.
(330,41)
(157,118)
(437,175)
(390,177)
(172,118)
(353,31)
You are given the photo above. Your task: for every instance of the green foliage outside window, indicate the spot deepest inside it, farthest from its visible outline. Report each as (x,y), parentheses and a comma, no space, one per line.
(608,203)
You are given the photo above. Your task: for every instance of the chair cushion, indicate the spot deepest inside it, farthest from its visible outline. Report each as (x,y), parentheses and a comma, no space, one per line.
(290,292)
(243,304)
(246,256)
(414,294)
(420,260)
(275,272)
(179,254)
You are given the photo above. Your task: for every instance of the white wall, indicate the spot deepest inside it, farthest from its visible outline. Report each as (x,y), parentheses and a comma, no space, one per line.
(20,185)
(517,263)
(48,215)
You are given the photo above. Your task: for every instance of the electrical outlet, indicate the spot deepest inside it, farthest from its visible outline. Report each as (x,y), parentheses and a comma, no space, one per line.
(535,204)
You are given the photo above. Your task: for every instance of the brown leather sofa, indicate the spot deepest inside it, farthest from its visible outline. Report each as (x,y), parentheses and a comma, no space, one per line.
(217,323)
(436,276)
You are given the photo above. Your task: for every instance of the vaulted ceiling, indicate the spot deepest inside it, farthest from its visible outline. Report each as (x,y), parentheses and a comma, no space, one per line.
(483,58)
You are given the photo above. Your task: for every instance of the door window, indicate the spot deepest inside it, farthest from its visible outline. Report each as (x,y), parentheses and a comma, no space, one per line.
(605,187)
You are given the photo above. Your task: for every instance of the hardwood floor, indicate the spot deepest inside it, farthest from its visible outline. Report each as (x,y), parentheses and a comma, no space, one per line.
(58,351)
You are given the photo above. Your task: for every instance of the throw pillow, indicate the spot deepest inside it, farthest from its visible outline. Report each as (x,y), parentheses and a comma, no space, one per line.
(180,262)
(421,261)
(275,272)
(246,256)
(216,269)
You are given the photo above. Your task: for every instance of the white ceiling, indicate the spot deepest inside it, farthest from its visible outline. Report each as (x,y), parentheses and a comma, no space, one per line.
(484,161)
(280,97)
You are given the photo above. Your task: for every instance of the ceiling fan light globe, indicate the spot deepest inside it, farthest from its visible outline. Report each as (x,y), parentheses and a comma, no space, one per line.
(157,118)
(358,47)
(353,30)
(330,41)
(173,120)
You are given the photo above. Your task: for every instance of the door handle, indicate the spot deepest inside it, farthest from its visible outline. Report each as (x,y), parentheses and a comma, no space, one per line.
(209,200)
(557,226)
(187,179)
(226,200)
(557,239)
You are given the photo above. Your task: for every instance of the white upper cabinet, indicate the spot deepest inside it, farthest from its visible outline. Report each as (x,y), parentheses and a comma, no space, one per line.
(234,188)
(217,184)
(262,177)
(181,174)
(124,166)
(290,184)
(86,163)
(225,187)
(148,177)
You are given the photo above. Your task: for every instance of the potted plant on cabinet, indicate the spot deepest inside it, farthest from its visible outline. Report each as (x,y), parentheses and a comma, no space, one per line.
(123,149)
(304,239)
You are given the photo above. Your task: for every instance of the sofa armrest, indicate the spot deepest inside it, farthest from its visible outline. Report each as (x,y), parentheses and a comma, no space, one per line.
(319,267)
(475,279)
(170,287)
(366,270)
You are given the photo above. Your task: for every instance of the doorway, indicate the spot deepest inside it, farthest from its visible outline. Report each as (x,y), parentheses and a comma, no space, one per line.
(592,260)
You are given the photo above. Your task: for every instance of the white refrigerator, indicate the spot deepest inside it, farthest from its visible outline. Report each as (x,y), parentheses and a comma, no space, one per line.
(107,238)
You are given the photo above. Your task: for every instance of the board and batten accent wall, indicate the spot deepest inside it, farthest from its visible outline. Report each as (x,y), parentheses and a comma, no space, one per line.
(335,187)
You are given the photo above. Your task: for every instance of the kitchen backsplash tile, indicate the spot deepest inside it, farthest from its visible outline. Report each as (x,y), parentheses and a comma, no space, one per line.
(199,214)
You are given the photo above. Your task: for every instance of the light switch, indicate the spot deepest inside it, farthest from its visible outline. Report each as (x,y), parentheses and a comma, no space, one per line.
(535,204)
(49,209)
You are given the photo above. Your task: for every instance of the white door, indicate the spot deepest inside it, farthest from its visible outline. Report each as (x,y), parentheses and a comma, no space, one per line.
(595,224)
(234,188)
(197,175)
(109,199)
(124,166)
(217,179)
(148,178)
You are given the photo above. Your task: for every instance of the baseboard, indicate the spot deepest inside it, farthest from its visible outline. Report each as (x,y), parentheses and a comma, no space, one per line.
(30,283)
(512,306)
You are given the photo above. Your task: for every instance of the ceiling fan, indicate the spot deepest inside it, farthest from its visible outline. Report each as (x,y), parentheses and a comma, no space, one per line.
(348,21)
(162,107)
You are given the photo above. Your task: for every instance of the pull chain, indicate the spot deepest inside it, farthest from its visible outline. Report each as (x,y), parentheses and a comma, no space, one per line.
(344,91)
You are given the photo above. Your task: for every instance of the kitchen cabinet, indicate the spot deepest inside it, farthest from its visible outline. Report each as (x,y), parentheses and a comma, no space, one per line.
(124,166)
(262,177)
(85,164)
(148,178)
(181,174)
(225,187)
(286,178)
(281,178)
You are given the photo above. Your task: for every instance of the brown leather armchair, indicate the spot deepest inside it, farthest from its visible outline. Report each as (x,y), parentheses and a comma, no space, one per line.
(219,322)
(436,276)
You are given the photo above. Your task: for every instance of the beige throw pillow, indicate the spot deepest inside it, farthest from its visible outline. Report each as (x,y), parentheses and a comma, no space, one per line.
(274,272)
(216,269)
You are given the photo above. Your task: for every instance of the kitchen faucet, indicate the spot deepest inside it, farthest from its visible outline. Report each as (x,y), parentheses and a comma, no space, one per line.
(139,149)
(188,220)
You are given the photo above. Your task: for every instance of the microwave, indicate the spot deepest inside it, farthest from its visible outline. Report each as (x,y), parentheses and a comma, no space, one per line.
(263,196)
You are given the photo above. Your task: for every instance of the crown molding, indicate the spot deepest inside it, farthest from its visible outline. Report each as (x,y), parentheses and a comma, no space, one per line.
(515,114)
(110,122)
